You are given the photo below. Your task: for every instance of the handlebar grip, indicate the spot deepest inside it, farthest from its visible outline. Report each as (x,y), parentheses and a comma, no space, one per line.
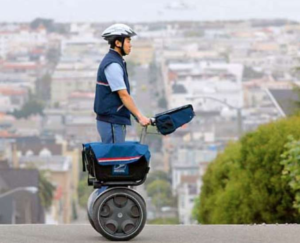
(152,121)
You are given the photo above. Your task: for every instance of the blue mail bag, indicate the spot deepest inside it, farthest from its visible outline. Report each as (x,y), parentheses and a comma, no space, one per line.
(127,161)
(167,122)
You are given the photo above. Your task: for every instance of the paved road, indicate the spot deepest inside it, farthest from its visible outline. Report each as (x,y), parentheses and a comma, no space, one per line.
(155,234)
(143,94)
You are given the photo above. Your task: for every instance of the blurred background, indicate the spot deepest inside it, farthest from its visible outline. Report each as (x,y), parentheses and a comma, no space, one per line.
(237,62)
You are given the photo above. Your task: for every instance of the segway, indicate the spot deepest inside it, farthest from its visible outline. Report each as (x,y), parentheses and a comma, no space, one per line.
(115,209)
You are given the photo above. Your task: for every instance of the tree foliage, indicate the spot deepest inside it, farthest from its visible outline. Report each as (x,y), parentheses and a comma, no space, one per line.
(156,175)
(245,185)
(291,171)
(161,193)
(32,107)
(296,89)
(49,25)
(46,190)
(43,85)
(53,55)
(158,187)
(84,191)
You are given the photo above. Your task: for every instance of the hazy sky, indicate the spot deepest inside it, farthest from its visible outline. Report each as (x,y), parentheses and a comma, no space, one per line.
(146,10)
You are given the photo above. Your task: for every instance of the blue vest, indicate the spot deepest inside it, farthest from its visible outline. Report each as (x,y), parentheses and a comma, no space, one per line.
(108,105)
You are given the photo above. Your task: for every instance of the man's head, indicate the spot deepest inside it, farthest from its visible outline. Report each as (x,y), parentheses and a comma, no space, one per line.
(123,44)
(119,37)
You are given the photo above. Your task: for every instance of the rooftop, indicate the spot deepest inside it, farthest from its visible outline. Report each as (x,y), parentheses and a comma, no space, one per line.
(53,163)
(286,100)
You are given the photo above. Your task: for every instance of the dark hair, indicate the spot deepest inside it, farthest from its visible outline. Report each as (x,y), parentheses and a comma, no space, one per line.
(112,41)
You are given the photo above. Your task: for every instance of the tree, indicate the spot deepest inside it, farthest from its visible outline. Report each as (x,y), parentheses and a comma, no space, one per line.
(32,107)
(47,23)
(156,175)
(46,190)
(53,55)
(215,181)
(195,211)
(84,191)
(43,86)
(291,171)
(245,184)
(296,89)
(161,193)
(158,187)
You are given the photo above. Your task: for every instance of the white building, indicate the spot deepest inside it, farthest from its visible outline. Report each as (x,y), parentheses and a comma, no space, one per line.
(186,163)
(21,39)
(205,85)
(59,171)
(188,191)
(71,77)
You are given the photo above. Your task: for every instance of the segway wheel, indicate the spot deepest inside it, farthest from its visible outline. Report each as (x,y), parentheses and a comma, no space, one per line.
(91,221)
(92,198)
(119,214)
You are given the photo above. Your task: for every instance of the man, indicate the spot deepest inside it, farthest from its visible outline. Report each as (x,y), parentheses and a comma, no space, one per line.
(113,103)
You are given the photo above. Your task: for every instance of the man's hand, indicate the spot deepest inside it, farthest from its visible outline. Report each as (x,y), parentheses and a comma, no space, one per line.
(129,103)
(144,121)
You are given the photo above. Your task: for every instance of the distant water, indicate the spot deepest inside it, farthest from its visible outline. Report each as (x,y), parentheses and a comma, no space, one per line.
(147,10)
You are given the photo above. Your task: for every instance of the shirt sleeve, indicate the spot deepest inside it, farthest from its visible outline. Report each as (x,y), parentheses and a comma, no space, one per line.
(114,75)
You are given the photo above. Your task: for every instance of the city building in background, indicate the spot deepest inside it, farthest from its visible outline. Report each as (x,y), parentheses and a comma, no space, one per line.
(236,74)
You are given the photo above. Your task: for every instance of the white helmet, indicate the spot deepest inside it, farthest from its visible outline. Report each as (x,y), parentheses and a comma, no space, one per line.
(115,30)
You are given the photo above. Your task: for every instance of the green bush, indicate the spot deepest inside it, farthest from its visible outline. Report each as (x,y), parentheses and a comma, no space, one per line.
(291,171)
(245,184)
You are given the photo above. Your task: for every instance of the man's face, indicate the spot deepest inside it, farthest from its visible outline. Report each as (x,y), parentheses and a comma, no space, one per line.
(127,45)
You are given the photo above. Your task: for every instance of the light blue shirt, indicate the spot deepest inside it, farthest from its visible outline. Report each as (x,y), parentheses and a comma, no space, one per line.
(115,77)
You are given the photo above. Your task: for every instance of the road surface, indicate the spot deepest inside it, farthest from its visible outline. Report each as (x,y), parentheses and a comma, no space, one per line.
(155,234)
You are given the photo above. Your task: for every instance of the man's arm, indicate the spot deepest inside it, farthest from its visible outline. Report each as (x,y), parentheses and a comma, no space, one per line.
(130,105)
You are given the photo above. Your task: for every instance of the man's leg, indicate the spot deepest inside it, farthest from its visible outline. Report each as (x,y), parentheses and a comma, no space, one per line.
(111,133)
(119,132)
(105,131)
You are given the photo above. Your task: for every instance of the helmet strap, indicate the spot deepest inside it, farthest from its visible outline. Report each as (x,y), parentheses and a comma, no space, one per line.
(122,47)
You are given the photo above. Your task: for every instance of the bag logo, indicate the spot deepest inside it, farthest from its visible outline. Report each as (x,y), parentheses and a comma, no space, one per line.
(120,169)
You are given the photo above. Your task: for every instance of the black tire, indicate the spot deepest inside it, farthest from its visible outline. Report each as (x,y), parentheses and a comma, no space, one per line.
(119,214)
(91,221)
(90,203)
